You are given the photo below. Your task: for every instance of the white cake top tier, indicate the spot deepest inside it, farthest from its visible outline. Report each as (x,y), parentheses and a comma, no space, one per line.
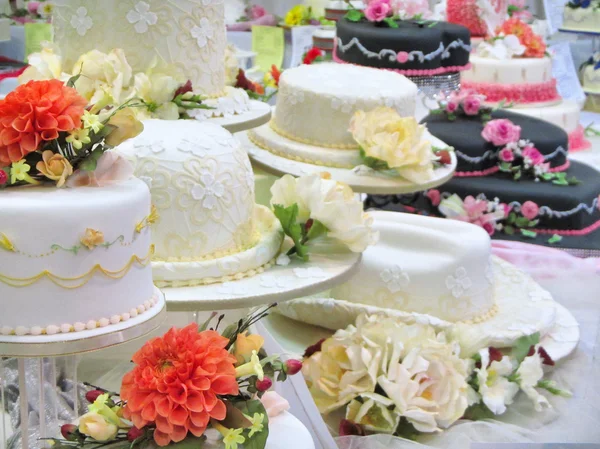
(202,185)
(316,102)
(189,34)
(74,256)
(426,265)
(509,71)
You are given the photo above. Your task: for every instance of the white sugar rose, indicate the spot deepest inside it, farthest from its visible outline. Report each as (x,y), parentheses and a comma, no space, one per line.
(373,413)
(502,48)
(398,141)
(426,379)
(284,193)
(96,426)
(496,390)
(45,65)
(529,373)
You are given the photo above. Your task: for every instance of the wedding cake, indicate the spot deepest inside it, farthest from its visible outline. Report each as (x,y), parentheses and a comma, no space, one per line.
(591,75)
(187,34)
(581,15)
(210,229)
(74,259)
(315,105)
(514,70)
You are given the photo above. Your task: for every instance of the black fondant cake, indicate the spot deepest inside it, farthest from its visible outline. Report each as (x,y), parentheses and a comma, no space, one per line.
(414,48)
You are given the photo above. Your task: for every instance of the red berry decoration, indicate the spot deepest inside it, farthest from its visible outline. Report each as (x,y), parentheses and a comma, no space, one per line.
(293,367)
(69,432)
(91,396)
(133,434)
(445,157)
(264,385)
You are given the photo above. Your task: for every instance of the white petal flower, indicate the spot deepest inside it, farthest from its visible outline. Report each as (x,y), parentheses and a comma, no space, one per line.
(202,32)
(529,373)
(496,390)
(373,413)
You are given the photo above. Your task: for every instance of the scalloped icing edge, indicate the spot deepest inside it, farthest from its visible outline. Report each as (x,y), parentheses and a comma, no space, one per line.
(80,326)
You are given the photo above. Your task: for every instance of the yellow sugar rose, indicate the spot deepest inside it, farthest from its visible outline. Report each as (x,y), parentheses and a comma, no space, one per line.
(399,141)
(127,127)
(245,344)
(96,426)
(92,238)
(54,166)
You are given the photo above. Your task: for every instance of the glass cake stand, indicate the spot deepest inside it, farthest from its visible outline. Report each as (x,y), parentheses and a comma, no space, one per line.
(38,377)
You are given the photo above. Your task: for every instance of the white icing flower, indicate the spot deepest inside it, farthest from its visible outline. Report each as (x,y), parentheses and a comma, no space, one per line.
(395,279)
(373,405)
(529,373)
(459,283)
(81,21)
(295,97)
(310,273)
(343,104)
(209,191)
(496,390)
(503,47)
(203,32)
(231,289)
(141,16)
(270,281)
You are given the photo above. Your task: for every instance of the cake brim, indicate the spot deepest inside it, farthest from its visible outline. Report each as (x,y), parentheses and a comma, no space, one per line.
(522,308)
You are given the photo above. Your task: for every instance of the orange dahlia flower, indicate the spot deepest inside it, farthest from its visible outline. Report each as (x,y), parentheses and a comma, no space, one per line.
(535,47)
(177,383)
(36,112)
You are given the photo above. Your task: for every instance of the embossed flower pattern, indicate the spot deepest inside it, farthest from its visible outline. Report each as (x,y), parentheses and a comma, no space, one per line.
(395,279)
(295,97)
(81,22)
(141,17)
(202,32)
(459,283)
(309,273)
(343,104)
(209,190)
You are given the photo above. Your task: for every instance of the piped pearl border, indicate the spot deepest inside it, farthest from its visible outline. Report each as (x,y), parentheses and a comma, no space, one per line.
(80,326)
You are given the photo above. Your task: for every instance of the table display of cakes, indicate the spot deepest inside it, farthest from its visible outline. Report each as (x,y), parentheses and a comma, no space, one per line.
(122,197)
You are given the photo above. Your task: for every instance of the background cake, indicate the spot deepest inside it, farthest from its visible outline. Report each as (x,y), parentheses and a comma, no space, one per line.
(582,16)
(591,75)
(74,259)
(210,229)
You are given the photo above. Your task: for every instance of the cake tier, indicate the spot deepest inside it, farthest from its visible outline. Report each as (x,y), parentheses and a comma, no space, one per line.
(72,259)
(413,48)
(461,288)
(591,78)
(466,13)
(565,114)
(189,34)
(316,102)
(324,39)
(519,80)
(202,185)
(477,157)
(581,19)
(567,211)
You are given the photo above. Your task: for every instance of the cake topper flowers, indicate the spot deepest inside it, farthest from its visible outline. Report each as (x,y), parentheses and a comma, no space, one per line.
(184,383)
(47,134)
(389,11)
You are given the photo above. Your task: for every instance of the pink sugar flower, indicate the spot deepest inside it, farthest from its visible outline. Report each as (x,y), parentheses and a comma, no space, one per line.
(501,131)
(256,12)
(530,210)
(489,228)
(377,10)
(475,208)
(507,209)
(534,155)
(33,7)
(402,57)
(472,104)
(434,196)
(451,107)
(506,155)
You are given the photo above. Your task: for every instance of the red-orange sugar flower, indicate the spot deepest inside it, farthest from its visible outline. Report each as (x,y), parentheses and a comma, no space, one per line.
(36,112)
(535,47)
(177,383)
(516,27)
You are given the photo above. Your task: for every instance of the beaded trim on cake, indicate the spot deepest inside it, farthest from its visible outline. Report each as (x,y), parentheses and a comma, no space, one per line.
(340,146)
(80,326)
(519,93)
(264,146)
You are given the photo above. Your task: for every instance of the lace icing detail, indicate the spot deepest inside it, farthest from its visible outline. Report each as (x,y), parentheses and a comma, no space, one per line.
(395,279)
(81,22)
(460,283)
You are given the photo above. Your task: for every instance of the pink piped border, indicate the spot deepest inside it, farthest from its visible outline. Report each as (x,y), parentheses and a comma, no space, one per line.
(570,233)
(492,170)
(412,72)
(519,93)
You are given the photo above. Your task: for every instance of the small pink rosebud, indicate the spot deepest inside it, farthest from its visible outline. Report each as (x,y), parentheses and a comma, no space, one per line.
(133,434)
(451,107)
(69,432)
(292,367)
(91,396)
(264,385)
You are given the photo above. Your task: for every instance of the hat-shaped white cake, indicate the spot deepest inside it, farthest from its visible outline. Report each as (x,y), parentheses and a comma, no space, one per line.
(209,229)
(439,272)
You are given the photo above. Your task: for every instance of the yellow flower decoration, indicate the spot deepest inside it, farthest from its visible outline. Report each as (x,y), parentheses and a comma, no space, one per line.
(92,121)
(252,368)
(92,238)
(257,423)
(78,138)
(245,345)
(149,220)
(5,243)
(233,437)
(20,172)
(298,15)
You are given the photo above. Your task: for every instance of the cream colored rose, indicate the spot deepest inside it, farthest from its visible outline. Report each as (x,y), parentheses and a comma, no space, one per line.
(399,141)
(284,193)
(45,65)
(103,73)
(96,426)
(54,166)
(127,127)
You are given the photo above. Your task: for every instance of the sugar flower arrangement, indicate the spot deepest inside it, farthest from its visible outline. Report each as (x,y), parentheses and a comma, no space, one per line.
(184,383)
(514,38)
(407,380)
(48,135)
(315,209)
(396,144)
(584,4)
(300,15)
(107,79)
(33,11)
(387,12)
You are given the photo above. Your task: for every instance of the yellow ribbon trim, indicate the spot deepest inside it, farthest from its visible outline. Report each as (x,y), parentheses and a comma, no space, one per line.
(338,146)
(80,281)
(152,218)
(293,157)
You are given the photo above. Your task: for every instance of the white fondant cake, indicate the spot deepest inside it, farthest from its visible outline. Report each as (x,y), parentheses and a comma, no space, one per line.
(316,102)
(565,114)
(582,19)
(203,187)
(508,71)
(591,77)
(74,259)
(189,34)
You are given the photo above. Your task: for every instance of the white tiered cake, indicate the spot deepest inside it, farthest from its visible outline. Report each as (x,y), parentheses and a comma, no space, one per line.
(74,259)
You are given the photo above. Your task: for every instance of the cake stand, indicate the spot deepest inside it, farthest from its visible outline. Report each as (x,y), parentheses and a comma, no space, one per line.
(361,181)
(258,115)
(38,361)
